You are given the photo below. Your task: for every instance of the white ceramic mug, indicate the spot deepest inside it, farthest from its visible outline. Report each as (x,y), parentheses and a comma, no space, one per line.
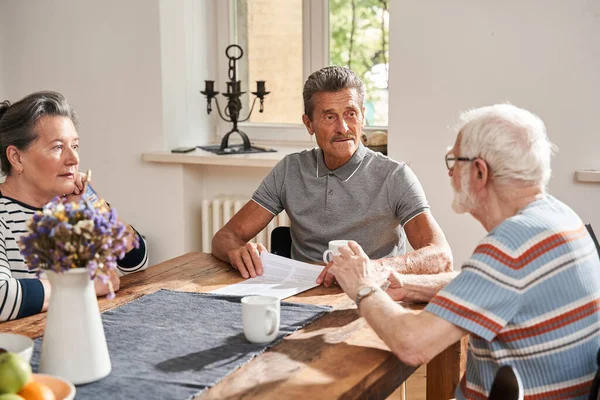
(260,317)
(333,249)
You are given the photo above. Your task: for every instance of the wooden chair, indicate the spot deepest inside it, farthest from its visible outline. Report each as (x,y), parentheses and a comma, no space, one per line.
(507,385)
(594,238)
(281,241)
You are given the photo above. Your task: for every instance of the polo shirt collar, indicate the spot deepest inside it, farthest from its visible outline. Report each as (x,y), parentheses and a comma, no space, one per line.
(345,171)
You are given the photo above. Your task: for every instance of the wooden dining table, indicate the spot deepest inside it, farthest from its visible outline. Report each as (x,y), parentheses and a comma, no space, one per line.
(338,356)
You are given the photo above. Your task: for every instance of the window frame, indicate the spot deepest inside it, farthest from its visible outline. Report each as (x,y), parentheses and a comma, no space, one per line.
(315,47)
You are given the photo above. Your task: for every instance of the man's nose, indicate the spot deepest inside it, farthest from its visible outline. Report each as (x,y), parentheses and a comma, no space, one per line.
(342,126)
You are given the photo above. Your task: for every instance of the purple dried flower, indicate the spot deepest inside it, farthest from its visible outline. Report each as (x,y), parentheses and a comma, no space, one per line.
(65,235)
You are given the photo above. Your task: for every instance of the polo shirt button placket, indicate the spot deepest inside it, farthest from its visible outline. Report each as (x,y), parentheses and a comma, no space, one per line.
(329,193)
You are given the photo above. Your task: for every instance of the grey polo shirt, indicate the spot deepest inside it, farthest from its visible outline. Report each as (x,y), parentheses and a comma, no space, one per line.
(368,200)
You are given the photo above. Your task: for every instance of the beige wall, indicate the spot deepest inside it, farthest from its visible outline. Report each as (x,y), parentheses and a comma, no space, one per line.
(106,58)
(187,41)
(449,56)
(3,6)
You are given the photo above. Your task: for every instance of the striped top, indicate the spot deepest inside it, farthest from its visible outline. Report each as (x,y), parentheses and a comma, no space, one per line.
(529,296)
(21,293)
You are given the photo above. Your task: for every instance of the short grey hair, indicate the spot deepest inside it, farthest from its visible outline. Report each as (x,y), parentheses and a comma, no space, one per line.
(330,79)
(18,121)
(511,140)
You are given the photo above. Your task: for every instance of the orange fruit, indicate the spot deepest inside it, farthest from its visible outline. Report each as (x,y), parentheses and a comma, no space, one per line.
(36,391)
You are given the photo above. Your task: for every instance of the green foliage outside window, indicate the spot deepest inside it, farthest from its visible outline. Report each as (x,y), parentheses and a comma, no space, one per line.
(359,36)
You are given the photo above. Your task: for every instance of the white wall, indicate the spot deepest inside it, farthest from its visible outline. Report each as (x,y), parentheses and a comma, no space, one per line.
(449,56)
(106,58)
(188,42)
(210,182)
(3,6)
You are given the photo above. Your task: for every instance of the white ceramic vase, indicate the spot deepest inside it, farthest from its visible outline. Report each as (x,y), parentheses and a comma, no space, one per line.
(74,345)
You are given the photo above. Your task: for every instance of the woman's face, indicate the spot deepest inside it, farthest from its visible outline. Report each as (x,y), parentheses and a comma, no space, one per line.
(52,160)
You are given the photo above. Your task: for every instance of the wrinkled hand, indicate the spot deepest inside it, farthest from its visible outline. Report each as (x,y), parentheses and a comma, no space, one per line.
(396,290)
(353,270)
(102,289)
(325,277)
(246,259)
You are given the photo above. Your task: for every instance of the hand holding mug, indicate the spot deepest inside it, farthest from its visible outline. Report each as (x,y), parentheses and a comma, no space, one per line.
(333,250)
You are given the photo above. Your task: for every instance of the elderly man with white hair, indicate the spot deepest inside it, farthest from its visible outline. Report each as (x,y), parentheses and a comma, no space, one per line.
(528,297)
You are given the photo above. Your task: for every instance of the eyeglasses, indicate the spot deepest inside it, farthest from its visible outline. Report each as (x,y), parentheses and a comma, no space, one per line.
(450,160)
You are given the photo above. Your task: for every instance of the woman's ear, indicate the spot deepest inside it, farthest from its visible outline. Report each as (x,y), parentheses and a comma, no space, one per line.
(14,157)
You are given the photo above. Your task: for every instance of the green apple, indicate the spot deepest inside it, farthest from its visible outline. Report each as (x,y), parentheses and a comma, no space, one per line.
(14,373)
(11,396)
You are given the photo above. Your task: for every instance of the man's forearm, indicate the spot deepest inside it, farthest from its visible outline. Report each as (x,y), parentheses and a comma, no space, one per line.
(426,260)
(415,337)
(223,242)
(422,288)
(393,324)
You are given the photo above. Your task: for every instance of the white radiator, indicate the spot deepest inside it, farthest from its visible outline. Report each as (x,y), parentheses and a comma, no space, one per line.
(216,213)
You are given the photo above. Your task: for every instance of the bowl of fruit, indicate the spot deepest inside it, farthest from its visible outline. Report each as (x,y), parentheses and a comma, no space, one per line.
(15,343)
(18,383)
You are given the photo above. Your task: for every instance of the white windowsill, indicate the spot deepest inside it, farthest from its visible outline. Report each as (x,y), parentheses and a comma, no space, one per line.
(199,156)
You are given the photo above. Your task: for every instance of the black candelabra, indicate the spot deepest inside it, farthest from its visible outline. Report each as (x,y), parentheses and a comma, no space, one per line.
(234,105)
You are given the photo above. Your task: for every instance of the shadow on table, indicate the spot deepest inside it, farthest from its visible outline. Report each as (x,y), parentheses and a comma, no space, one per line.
(321,291)
(317,352)
(335,319)
(308,347)
(235,350)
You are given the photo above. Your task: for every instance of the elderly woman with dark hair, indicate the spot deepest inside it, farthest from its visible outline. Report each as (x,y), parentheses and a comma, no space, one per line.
(39,156)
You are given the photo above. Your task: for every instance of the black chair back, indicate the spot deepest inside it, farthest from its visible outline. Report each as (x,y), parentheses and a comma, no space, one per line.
(281,241)
(507,385)
(594,238)
(595,392)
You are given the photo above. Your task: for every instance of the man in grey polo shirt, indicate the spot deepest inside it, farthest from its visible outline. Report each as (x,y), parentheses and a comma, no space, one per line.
(340,190)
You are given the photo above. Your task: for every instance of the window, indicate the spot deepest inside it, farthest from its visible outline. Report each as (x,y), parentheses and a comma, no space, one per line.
(271,31)
(358,39)
(285,41)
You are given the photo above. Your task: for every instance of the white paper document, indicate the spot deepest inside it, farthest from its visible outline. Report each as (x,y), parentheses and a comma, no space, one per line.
(281,278)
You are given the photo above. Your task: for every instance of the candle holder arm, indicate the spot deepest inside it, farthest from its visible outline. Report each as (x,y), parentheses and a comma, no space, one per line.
(250,112)
(224,118)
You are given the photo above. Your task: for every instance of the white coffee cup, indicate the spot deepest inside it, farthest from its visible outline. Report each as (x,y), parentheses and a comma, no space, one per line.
(333,249)
(260,317)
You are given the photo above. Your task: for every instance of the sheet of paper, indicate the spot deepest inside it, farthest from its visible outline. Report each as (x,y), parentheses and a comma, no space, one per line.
(281,278)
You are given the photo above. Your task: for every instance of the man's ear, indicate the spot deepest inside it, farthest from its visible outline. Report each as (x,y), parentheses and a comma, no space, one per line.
(364,122)
(14,157)
(481,172)
(308,124)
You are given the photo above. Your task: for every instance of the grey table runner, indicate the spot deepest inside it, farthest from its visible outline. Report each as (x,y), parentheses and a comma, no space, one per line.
(174,345)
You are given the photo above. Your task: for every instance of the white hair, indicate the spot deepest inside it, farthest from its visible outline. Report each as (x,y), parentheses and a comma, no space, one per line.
(511,140)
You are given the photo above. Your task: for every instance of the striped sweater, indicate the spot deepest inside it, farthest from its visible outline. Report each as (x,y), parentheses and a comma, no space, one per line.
(21,293)
(530,297)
